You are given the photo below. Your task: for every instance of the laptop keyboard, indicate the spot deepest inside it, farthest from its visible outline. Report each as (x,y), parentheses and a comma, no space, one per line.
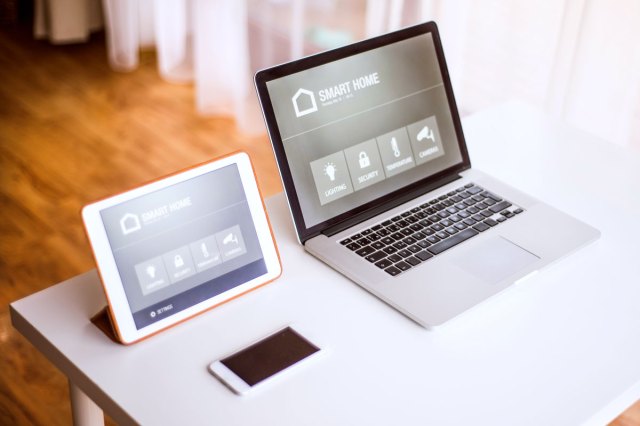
(418,234)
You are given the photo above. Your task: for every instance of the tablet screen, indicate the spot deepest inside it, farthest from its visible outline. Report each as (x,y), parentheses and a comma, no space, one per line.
(184,244)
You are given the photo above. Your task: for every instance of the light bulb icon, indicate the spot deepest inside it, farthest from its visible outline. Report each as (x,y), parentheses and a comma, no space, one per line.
(395,148)
(151,271)
(330,170)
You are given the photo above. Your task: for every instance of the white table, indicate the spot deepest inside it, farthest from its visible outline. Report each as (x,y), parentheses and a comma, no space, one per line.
(561,348)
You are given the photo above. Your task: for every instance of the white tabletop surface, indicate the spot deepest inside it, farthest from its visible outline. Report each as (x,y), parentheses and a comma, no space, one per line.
(563,347)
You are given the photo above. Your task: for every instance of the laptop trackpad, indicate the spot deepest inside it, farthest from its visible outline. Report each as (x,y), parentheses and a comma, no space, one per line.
(494,260)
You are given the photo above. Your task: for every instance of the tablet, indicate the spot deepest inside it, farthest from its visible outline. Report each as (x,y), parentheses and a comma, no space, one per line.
(183,244)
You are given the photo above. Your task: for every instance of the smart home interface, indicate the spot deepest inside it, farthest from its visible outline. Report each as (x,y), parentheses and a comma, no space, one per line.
(184,244)
(361,127)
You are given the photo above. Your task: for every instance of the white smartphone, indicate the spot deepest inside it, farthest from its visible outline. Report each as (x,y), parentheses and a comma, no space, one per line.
(260,362)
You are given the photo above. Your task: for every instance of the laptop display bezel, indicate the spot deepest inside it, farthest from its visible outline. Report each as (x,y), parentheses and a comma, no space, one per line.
(393,198)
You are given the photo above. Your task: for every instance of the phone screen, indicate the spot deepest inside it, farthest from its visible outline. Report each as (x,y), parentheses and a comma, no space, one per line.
(269,356)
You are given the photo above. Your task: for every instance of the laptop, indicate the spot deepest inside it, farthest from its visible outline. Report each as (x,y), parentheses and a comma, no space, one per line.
(378,179)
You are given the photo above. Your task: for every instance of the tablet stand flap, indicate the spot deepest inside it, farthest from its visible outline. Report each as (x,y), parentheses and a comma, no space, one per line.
(102,320)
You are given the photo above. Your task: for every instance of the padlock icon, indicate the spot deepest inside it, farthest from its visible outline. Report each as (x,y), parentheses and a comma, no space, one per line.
(178,261)
(363,158)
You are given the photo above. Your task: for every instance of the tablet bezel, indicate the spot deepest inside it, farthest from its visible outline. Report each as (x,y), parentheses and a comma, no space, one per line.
(118,303)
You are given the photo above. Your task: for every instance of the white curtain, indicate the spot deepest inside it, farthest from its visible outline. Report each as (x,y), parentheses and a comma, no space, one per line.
(577,59)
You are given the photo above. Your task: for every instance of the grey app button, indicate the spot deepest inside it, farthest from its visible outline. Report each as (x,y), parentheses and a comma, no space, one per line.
(332,177)
(396,153)
(425,140)
(231,243)
(179,264)
(151,275)
(364,164)
(205,253)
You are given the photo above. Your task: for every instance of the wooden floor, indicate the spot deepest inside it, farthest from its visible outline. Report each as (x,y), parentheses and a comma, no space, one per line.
(73,131)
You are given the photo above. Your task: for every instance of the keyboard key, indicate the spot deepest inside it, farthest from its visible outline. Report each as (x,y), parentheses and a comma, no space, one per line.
(501,219)
(404,253)
(384,263)
(472,210)
(455,218)
(500,206)
(416,227)
(487,194)
(481,227)
(414,249)
(392,270)
(355,237)
(386,223)
(363,241)
(451,230)
(373,236)
(377,245)
(487,213)
(402,223)
(394,258)
(507,214)
(388,240)
(478,198)
(396,218)
(366,232)
(424,255)
(465,194)
(377,227)
(443,214)
(423,244)
(403,266)
(469,185)
(469,221)
(399,245)
(365,251)
(390,249)
(456,199)
(474,190)
(481,206)
(411,219)
(415,210)
(409,240)
(447,203)
(446,223)
(345,242)
(463,215)
(442,197)
(376,256)
(452,210)
(469,202)
(397,236)
(393,228)
(489,201)
(353,246)
(419,236)
(451,193)
(460,226)
(413,261)
(452,241)
(437,227)
(478,217)
(442,235)
(518,211)
(491,222)
(433,239)
(405,214)
(383,232)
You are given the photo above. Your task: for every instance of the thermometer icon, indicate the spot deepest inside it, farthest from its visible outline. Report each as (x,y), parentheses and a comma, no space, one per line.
(394,147)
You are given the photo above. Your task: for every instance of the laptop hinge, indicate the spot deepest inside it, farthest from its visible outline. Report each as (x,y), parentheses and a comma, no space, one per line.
(374,211)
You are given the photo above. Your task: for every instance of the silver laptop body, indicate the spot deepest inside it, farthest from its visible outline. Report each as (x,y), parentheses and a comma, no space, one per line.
(380,186)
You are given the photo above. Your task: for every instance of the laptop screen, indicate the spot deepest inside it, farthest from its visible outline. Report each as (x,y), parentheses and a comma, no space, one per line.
(359,127)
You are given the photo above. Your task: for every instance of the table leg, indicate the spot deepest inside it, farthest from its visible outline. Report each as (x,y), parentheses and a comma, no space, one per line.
(85,411)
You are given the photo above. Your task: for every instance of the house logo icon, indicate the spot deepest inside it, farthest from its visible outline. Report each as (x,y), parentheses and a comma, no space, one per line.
(130,223)
(304,102)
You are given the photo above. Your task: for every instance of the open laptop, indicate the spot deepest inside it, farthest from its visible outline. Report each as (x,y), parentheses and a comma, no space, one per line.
(376,171)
